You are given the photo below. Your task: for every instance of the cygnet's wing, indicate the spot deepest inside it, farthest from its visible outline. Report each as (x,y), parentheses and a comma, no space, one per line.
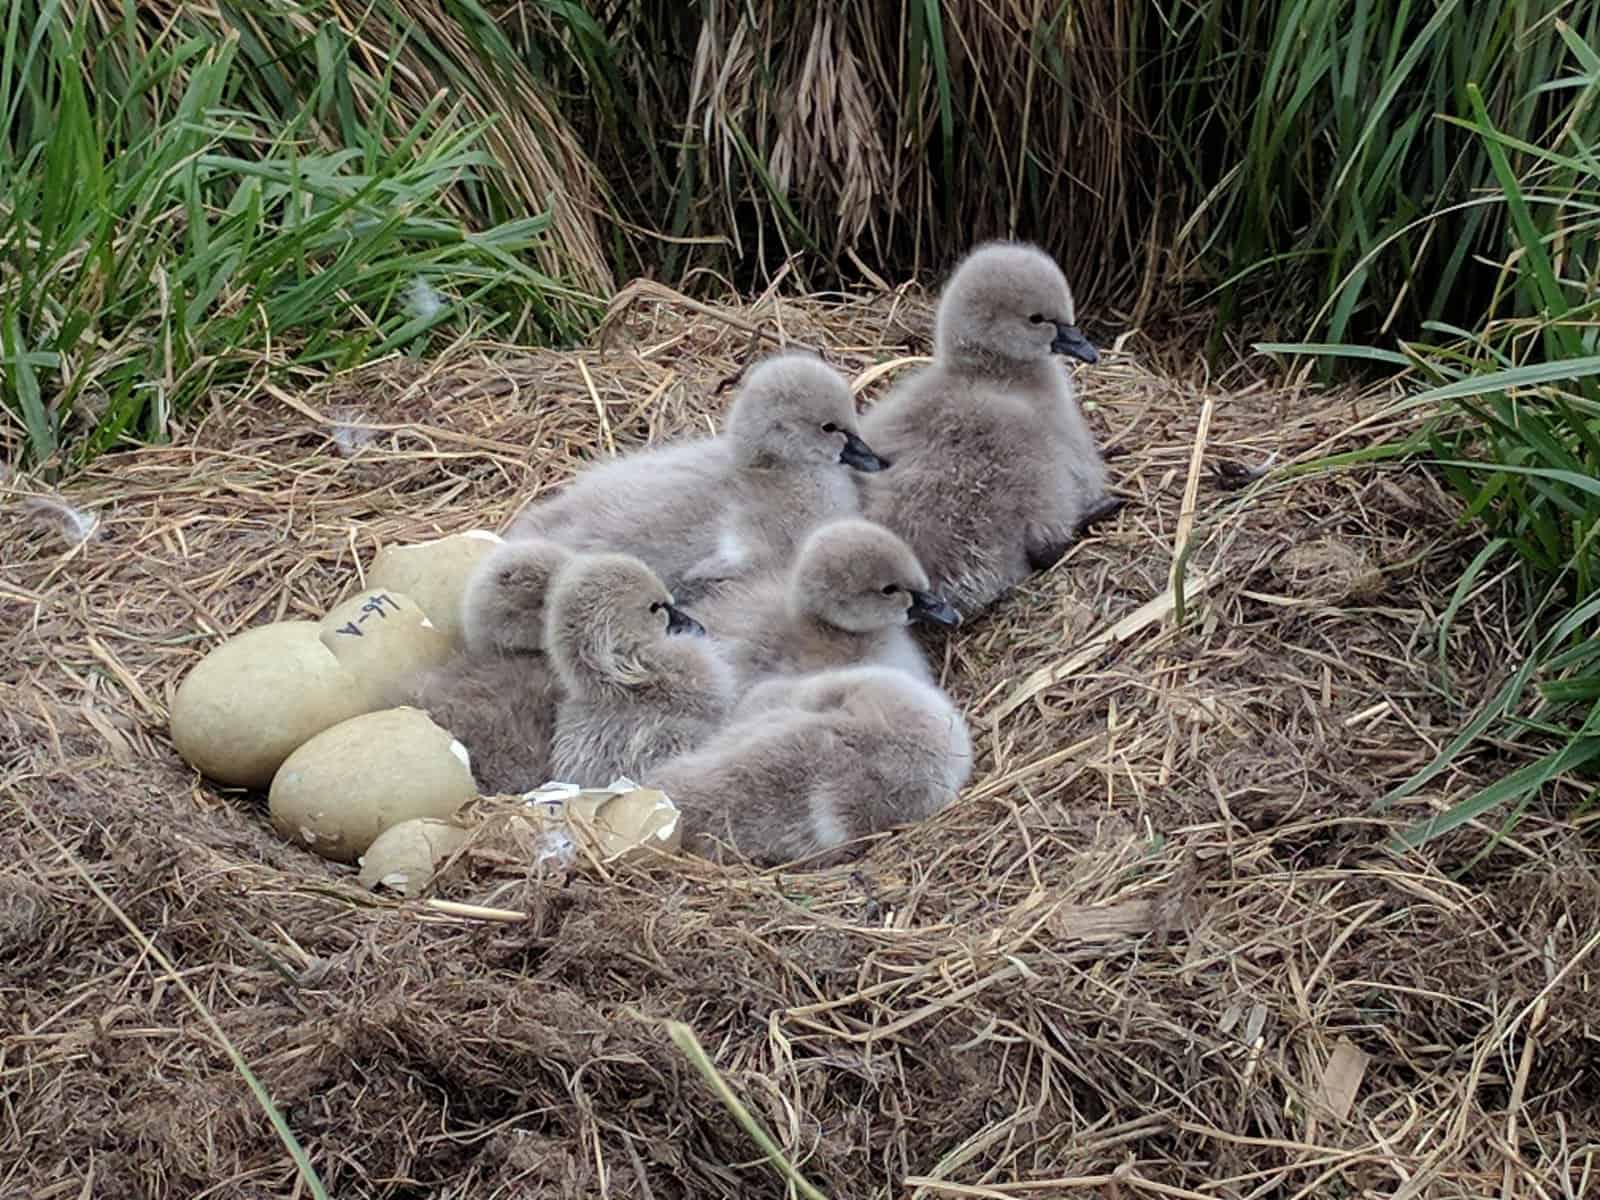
(659,506)
(750,787)
(913,753)
(769,512)
(732,558)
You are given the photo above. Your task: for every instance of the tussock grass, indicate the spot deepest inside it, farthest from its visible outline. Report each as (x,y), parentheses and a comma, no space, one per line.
(1520,438)
(1313,165)
(1302,158)
(178,220)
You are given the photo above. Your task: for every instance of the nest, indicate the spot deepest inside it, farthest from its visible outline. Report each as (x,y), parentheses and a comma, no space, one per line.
(1158,949)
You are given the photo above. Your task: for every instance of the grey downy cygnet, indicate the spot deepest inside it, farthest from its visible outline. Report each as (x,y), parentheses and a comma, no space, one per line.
(824,760)
(720,508)
(498,695)
(640,681)
(791,430)
(995,472)
(849,597)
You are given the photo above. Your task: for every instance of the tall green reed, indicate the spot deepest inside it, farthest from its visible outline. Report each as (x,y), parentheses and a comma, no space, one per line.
(167,231)
(1519,434)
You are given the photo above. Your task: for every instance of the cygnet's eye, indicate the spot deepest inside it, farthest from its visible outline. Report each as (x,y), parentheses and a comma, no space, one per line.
(1037,318)
(658,606)
(890,589)
(830,427)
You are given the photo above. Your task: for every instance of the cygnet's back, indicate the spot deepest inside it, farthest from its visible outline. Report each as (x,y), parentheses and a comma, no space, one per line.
(848,599)
(498,695)
(995,472)
(724,507)
(641,683)
(825,760)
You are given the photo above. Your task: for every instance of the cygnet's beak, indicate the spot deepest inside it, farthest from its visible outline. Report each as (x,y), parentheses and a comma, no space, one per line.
(1069,340)
(859,455)
(1107,506)
(679,621)
(925,606)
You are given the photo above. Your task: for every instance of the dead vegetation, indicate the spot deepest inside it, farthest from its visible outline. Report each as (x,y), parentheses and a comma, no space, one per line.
(1157,951)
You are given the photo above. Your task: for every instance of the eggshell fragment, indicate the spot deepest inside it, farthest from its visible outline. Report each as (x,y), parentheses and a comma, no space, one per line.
(407,856)
(339,791)
(385,640)
(636,823)
(249,703)
(616,824)
(434,574)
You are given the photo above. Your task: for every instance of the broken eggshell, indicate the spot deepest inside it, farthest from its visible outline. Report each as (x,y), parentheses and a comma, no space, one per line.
(408,855)
(434,574)
(385,641)
(616,824)
(255,698)
(339,791)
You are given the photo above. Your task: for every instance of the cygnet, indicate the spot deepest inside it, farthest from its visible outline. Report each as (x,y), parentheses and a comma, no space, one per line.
(722,508)
(995,472)
(827,759)
(498,695)
(848,598)
(503,608)
(640,681)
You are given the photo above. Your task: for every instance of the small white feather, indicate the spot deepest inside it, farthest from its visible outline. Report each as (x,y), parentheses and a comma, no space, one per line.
(77,525)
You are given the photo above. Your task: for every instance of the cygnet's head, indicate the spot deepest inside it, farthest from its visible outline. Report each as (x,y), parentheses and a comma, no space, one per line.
(607,615)
(795,410)
(503,608)
(1007,304)
(856,575)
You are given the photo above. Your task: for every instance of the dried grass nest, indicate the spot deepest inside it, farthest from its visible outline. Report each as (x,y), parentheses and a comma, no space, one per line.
(1158,949)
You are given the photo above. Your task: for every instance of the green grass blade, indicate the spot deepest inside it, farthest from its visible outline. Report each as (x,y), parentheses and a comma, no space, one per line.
(1523,782)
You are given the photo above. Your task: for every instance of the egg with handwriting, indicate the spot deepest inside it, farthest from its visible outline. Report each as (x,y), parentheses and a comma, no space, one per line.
(385,641)
(249,703)
(339,791)
(434,574)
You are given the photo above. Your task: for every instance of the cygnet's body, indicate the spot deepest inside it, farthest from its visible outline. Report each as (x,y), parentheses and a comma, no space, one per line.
(823,760)
(726,507)
(995,472)
(848,599)
(498,695)
(502,709)
(640,681)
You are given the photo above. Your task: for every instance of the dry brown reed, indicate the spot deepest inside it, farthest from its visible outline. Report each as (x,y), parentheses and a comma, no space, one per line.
(1157,949)
(838,123)
(405,58)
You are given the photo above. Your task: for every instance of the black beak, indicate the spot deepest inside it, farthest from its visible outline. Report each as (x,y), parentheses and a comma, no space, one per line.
(925,606)
(679,621)
(859,455)
(1070,341)
(1109,506)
